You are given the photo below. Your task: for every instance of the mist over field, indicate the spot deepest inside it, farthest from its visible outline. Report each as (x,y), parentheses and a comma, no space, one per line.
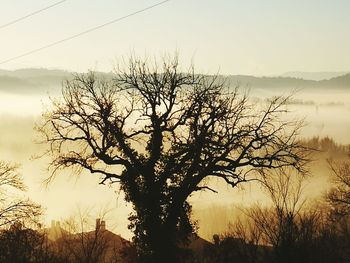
(24,96)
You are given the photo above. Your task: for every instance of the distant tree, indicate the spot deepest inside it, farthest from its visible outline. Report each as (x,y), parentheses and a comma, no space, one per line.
(161,134)
(338,198)
(326,144)
(339,195)
(13,208)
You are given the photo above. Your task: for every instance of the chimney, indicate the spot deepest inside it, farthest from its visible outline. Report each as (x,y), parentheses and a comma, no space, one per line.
(103,225)
(98,223)
(53,224)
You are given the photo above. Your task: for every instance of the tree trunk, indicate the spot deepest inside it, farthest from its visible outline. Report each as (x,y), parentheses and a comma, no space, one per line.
(160,246)
(157,229)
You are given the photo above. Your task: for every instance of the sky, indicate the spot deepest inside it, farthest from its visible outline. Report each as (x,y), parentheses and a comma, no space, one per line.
(252,37)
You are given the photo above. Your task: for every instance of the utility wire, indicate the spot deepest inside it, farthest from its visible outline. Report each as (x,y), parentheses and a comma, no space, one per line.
(31,14)
(83,33)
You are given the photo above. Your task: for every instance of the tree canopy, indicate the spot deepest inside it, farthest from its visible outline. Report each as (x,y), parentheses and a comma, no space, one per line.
(161,133)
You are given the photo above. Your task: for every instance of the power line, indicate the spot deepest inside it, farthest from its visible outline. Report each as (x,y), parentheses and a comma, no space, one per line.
(31,14)
(82,33)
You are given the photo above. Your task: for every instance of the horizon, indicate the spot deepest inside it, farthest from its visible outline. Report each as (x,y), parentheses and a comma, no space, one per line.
(287,74)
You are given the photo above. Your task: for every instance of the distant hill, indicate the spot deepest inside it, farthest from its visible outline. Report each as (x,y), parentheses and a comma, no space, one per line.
(270,82)
(14,84)
(289,83)
(42,81)
(341,81)
(313,75)
(32,81)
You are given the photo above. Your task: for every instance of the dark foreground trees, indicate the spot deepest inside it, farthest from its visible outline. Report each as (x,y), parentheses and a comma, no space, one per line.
(290,231)
(310,236)
(161,134)
(18,243)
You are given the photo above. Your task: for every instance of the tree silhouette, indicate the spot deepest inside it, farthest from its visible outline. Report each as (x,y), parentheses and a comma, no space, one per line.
(161,134)
(290,231)
(13,208)
(19,244)
(339,195)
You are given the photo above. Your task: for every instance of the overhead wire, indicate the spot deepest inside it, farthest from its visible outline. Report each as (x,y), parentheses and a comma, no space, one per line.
(83,32)
(31,14)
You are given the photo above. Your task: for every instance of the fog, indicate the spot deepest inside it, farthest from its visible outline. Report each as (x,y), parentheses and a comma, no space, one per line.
(60,199)
(326,113)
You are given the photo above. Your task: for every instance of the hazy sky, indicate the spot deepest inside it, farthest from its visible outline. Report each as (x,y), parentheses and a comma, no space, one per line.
(236,37)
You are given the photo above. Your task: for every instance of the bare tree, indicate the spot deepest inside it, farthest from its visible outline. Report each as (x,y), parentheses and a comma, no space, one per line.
(339,195)
(19,243)
(288,231)
(161,133)
(79,244)
(12,208)
(281,225)
(82,242)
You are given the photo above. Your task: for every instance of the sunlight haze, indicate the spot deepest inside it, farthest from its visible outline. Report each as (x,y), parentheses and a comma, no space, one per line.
(233,37)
